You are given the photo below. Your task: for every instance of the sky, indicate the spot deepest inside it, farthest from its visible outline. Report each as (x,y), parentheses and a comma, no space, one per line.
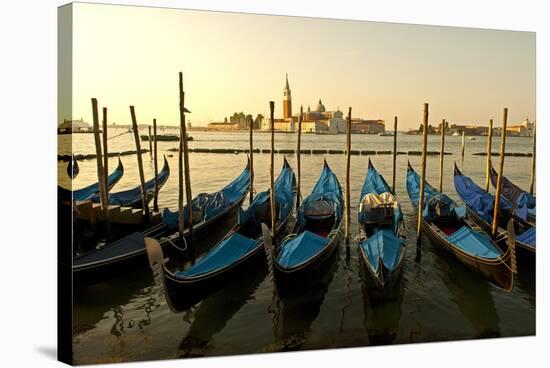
(233,62)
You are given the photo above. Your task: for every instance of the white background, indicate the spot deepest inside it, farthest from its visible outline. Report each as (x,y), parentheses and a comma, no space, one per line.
(28,179)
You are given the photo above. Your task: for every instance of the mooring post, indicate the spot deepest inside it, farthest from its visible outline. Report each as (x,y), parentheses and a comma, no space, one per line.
(140,164)
(348,157)
(489,149)
(500,172)
(251,138)
(533,159)
(106,171)
(272,172)
(462,154)
(423,172)
(394,153)
(150,144)
(100,172)
(299,155)
(156,166)
(441,154)
(183,139)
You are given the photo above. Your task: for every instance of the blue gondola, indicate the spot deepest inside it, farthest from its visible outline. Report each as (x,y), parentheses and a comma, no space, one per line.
(238,251)
(132,197)
(518,197)
(480,206)
(315,236)
(210,212)
(447,226)
(92,190)
(382,230)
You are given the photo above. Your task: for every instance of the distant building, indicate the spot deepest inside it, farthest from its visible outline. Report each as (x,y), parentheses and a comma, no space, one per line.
(223,126)
(525,129)
(74,126)
(367,126)
(287,101)
(318,121)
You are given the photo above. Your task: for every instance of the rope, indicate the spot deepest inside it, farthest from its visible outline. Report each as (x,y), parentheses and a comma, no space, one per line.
(118,135)
(175,246)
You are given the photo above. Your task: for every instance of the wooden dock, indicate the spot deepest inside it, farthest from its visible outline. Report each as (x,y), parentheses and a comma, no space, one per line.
(90,211)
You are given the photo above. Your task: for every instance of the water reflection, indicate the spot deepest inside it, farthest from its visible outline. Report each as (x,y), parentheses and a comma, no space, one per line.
(472,295)
(212,315)
(295,312)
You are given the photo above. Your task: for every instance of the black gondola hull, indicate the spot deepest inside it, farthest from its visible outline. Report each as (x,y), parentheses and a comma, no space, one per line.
(108,268)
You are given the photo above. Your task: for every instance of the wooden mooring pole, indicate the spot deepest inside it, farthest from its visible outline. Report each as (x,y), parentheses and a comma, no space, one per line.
(106,170)
(489,149)
(500,172)
(423,173)
(272,172)
(441,155)
(100,172)
(394,154)
(150,144)
(183,139)
(462,153)
(251,138)
(156,166)
(140,164)
(534,160)
(298,157)
(348,157)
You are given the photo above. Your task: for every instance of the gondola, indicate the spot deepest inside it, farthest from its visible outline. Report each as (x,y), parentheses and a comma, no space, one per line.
(448,227)
(518,197)
(480,207)
(314,238)
(382,246)
(210,210)
(92,190)
(237,252)
(132,197)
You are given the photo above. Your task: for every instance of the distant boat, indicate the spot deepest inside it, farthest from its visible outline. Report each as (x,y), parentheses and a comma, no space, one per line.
(472,138)
(166,137)
(455,134)
(385,134)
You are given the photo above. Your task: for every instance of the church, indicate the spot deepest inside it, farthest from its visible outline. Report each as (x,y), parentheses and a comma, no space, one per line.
(319,121)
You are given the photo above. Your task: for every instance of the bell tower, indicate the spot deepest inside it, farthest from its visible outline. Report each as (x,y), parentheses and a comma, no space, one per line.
(287,101)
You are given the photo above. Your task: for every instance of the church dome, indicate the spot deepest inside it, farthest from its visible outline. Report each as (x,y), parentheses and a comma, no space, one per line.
(320,107)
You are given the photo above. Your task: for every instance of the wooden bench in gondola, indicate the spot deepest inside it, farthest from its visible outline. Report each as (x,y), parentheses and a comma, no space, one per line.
(90,211)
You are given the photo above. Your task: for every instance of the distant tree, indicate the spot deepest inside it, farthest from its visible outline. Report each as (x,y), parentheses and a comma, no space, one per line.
(258,121)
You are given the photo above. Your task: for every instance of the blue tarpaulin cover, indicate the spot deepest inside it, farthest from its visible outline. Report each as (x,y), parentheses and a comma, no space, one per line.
(529,237)
(127,197)
(214,203)
(474,242)
(93,189)
(307,245)
(225,253)
(383,246)
(481,202)
(301,248)
(235,247)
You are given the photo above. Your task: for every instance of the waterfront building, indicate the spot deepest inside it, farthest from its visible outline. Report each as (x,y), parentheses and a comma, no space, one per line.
(74,126)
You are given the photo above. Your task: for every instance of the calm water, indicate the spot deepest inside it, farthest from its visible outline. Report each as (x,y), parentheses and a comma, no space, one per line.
(127,319)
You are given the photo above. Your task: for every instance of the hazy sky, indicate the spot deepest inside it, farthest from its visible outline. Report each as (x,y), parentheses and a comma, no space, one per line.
(237,62)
